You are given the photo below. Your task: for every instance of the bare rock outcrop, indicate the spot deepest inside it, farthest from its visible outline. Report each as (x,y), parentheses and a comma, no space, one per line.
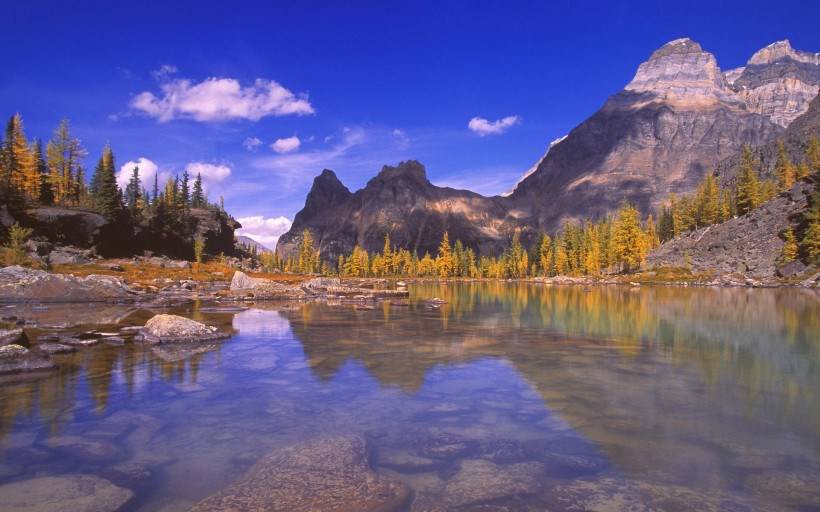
(161,329)
(77,493)
(19,359)
(20,284)
(325,474)
(750,244)
(12,336)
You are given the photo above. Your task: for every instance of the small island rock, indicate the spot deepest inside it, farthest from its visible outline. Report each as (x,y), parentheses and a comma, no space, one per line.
(177,329)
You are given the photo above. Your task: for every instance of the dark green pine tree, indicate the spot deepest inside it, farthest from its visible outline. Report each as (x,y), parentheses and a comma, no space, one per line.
(106,194)
(133,191)
(185,191)
(155,193)
(46,191)
(8,162)
(198,197)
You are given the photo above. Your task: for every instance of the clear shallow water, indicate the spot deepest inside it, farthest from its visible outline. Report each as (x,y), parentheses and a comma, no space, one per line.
(652,391)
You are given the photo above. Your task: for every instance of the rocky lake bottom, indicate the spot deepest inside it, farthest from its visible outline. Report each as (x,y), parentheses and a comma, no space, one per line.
(505,397)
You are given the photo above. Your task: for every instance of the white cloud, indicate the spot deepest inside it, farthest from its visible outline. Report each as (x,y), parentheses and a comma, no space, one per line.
(164,72)
(287,145)
(210,172)
(147,170)
(251,143)
(265,230)
(220,99)
(484,127)
(401,136)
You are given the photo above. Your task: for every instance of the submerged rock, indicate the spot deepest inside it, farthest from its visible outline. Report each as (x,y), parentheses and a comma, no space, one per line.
(19,284)
(326,474)
(800,489)
(15,359)
(89,450)
(55,348)
(77,493)
(479,481)
(177,329)
(614,495)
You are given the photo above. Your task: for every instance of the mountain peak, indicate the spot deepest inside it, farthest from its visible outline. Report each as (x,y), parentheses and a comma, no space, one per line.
(411,169)
(780,50)
(681,73)
(683,45)
(326,191)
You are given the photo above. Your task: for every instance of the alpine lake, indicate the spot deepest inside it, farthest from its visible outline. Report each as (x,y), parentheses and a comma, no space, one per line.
(505,397)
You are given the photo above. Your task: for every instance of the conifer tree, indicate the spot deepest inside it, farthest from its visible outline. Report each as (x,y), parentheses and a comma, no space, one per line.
(810,245)
(64,155)
(107,198)
(545,254)
(46,193)
(308,258)
(748,186)
(629,238)
(789,251)
(185,191)
(198,195)
(813,155)
(444,261)
(133,192)
(784,168)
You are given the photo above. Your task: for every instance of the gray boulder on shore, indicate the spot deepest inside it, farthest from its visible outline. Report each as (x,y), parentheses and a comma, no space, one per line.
(20,284)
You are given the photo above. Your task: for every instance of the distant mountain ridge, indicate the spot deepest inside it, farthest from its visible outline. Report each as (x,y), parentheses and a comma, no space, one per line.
(676,120)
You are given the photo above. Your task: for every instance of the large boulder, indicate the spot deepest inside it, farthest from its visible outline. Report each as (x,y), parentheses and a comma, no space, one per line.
(12,336)
(18,359)
(20,284)
(177,329)
(64,226)
(77,493)
(481,481)
(616,495)
(242,285)
(326,474)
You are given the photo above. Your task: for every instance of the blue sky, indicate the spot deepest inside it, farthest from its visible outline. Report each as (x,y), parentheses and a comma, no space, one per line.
(346,85)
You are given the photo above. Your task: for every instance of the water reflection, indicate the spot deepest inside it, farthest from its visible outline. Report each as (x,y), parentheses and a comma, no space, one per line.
(707,389)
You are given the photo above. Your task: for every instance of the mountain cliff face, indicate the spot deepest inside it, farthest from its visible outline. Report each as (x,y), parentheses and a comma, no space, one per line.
(399,201)
(671,124)
(779,82)
(678,119)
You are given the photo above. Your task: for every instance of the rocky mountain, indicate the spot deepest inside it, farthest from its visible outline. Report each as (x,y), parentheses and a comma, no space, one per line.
(795,140)
(399,201)
(247,243)
(678,119)
(749,245)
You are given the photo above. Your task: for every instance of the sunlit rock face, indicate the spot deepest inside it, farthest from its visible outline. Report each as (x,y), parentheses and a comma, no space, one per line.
(779,82)
(673,123)
(677,118)
(401,202)
(680,73)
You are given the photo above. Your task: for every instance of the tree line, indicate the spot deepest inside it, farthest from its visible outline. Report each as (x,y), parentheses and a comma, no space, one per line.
(618,243)
(33,174)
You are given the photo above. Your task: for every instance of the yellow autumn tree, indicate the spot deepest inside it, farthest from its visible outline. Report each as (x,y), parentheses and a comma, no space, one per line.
(629,239)
(784,168)
(445,262)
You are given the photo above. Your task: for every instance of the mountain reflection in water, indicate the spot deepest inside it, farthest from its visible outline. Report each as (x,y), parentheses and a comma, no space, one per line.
(713,391)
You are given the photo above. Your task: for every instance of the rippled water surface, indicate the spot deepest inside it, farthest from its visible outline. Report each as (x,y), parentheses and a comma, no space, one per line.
(681,398)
